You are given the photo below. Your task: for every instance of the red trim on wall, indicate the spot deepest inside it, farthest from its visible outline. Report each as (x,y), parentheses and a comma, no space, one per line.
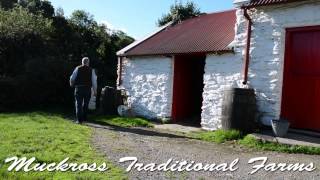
(120,71)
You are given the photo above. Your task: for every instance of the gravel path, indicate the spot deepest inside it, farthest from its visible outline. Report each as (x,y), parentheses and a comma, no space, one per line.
(155,146)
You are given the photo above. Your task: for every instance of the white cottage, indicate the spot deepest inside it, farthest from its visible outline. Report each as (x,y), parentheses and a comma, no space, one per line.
(272,46)
(181,70)
(284,61)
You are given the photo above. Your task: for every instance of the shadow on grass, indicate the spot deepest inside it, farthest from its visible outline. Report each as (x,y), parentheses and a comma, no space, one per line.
(68,114)
(64,112)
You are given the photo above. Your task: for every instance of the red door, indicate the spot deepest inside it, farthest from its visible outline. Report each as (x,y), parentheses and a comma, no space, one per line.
(301,84)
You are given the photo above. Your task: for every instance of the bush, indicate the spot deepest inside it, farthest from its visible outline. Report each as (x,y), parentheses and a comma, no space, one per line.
(45,82)
(9,97)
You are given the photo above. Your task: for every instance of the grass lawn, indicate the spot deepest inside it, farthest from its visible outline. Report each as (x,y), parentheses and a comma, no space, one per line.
(120,121)
(251,142)
(221,136)
(49,138)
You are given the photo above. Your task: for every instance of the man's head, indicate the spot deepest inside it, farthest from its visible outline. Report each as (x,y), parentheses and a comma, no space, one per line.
(85,61)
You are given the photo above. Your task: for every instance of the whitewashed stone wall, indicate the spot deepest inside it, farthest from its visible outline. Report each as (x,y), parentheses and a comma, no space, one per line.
(267,49)
(148,81)
(221,72)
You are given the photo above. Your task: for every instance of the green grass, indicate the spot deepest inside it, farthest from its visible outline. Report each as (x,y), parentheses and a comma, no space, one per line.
(251,142)
(219,136)
(49,138)
(121,121)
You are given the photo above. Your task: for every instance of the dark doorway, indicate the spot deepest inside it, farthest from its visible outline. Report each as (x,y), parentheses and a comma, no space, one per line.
(188,88)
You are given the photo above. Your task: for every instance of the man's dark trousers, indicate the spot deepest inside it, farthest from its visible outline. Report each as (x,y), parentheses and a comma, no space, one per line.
(82,98)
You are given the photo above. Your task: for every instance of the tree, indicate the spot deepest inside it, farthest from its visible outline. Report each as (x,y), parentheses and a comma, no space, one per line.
(59,12)
(179,12)
(121,39)
(83,19)
(20,29)
(7,4)
(42,7)
(39,50)
(18,23)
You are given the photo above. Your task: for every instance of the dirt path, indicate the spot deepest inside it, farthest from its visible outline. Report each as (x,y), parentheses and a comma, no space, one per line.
(156,146)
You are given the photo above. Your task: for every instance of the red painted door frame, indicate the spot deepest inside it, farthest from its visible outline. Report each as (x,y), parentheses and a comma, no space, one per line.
(177,93)
(185,100)
(301,78)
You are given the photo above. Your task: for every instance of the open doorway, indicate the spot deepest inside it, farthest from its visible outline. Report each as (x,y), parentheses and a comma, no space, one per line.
(188,89)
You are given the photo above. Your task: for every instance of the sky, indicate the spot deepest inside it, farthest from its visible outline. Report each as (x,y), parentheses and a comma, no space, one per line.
(135,17)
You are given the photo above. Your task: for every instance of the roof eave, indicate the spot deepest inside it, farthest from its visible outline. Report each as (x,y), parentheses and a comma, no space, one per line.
(249,6)
(175,54)
(136,43)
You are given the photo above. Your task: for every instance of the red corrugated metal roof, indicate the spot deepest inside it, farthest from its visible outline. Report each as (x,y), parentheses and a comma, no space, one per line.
(206,33)
(255,3)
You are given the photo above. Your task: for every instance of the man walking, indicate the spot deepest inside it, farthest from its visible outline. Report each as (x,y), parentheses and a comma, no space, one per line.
(83,78)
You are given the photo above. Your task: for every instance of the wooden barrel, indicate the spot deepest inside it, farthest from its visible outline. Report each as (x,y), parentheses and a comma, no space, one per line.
(239,110)
(110,100)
